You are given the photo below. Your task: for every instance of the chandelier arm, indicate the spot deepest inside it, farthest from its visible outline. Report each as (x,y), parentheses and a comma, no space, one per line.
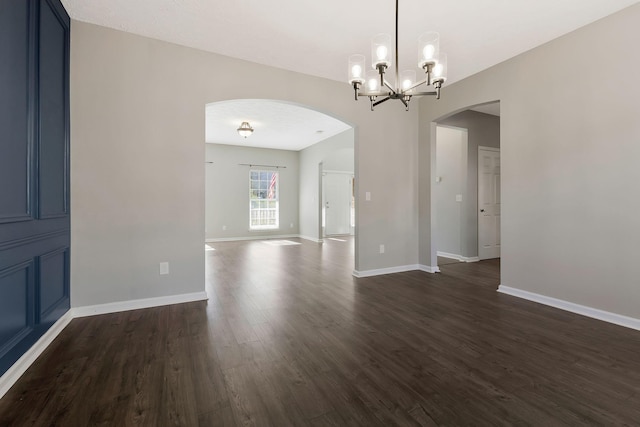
(381,101)
(373,93)
(386,83)
(424,93)
(415,86)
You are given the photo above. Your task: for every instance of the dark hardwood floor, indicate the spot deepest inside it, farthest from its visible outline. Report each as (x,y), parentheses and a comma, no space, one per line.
(289,337)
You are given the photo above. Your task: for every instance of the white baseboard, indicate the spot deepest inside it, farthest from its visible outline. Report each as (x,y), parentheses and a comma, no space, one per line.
(116,307)
(391,270)
(262,237)
(618,319)
(459,257)
(9,378)
(429,269)
(381,271)
(13,374)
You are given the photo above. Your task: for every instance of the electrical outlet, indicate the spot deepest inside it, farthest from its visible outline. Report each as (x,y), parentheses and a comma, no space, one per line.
(367,196)
(291,225)
(224,228)
(164,268)
(381,249)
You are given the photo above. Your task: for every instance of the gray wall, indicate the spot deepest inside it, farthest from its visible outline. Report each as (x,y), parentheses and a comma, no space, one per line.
(336,153)
(138,171)
(227,190)
(483,130)
(569,134)
(569,158)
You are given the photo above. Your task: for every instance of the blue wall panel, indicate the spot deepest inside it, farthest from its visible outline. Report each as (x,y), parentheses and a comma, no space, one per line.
(16,305)
(53,280)
(52,114)
(34,172)
(14,106)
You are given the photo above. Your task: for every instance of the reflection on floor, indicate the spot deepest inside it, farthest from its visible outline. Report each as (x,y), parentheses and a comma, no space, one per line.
(280,242)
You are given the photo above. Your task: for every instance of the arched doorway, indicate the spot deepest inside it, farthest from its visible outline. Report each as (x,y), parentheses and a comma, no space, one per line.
(288,143)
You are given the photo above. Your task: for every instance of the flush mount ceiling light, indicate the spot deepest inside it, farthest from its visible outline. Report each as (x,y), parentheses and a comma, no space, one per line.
(245,129)
(430,60)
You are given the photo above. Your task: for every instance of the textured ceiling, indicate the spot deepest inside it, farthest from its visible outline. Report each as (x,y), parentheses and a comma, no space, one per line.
(316,37)
(276,124)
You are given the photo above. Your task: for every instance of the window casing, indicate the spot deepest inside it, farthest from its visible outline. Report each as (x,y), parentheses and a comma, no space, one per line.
(264,209)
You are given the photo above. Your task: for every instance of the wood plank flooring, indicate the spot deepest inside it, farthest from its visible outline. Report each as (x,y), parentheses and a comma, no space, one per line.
(289,337)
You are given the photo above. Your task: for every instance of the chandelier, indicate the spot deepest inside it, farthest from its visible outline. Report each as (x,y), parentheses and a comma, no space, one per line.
(376,86)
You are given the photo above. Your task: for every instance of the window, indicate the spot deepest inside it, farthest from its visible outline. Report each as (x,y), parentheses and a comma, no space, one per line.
(263,200)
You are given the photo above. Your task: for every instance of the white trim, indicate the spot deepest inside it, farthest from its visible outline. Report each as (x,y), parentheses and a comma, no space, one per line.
(381,271)
(429,269)
(116,307)
(606,316)
(13,374)
(392,270)
(264,237)
(458,257)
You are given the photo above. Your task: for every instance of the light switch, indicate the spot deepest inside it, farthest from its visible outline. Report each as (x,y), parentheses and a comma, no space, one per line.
(458,197)
(367,196)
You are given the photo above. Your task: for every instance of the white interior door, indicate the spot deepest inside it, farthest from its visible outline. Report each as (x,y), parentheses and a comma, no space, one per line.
(337,203)
(488,202)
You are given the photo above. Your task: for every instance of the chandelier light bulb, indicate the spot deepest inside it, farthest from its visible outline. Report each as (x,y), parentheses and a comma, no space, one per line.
(407,80)
(428,52)
(381,53)
(439,72)
(356,71)
(373,80)
(356,66)
(428,48)
(381,50)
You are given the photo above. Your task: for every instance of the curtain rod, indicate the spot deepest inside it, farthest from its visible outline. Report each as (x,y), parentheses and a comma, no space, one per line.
(264,166)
